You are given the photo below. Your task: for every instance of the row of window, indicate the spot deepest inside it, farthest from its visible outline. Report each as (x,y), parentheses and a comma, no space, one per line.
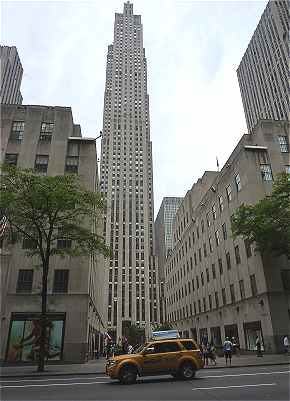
(25,281)
(17,131)
(41,162)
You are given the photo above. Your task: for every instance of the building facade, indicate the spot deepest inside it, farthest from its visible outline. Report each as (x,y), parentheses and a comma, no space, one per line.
(164,241)
(127,180)
(11,72)
(218,286)
(263,72)
(46,139)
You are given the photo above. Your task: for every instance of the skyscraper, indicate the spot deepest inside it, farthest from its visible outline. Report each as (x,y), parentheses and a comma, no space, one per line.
(163,228)
(126,180)
(11,72)
(263,71)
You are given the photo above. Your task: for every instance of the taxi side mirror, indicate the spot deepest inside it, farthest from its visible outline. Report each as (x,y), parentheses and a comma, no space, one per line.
(149,351)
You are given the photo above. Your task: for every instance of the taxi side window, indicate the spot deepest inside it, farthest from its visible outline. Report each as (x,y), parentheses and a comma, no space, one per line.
(189,345)
(166,347)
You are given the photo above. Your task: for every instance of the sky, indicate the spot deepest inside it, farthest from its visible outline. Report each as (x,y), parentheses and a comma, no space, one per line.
(193,50)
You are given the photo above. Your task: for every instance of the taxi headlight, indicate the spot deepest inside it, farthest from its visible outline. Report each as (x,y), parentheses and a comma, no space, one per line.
(111,362)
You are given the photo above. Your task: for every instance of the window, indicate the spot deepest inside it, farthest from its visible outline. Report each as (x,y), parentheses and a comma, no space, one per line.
(216,296)
(287,169)
(28,243)
(24,282)
(189,345)
(217,237)
(266,172)
(11,159)
(210,244)
(220,262)
(213,211)
(63,243)
(248,248)
(228,258)
(229,193)
(237,254)
(242,289)
(207,275)
(166,347)
(72,164)
(224,298)
(41,163)
(208,218)
(60,281)
(238,182)
(232,291)
(213,271)
(284,144)
(224,229)
(221,203)
(46,131)
(285,277)
(17,131)
(253,284)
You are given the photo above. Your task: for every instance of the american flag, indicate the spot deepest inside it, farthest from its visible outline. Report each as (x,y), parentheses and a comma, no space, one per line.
(3,225)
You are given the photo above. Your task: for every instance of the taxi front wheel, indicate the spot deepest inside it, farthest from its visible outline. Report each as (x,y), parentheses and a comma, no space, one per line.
(128,375)
(187,371)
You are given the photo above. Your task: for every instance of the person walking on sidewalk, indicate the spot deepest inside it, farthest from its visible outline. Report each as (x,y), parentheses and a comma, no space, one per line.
(286,345)
(259,346)
(228,350)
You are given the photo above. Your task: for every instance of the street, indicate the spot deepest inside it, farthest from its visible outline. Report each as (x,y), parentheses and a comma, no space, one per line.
(254,383)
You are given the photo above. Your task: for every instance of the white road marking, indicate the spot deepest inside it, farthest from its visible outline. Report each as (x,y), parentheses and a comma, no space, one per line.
(51,385)
(244,385)
(56,379)
(247,374)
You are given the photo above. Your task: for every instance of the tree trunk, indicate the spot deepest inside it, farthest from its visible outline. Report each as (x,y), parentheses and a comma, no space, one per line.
(43,318)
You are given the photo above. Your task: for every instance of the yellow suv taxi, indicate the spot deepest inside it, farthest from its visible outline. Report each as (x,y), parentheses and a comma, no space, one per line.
(179,357)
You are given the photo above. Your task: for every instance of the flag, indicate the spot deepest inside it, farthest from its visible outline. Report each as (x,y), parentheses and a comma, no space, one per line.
(3,225)
(107,336)
(217,164)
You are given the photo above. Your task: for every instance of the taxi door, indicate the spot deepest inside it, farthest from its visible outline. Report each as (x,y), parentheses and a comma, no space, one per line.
(152,360)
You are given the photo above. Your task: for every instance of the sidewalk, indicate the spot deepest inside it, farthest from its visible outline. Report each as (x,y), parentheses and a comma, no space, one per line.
(98,366)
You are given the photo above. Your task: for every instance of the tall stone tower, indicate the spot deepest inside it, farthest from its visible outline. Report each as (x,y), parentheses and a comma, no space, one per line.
(263,71)
(11,72)
(127,181)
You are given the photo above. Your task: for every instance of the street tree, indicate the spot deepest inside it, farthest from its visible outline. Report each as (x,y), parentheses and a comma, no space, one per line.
(267,223)
(43,210)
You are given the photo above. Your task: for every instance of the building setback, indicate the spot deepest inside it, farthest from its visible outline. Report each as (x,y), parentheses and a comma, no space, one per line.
(11,72)
(263,72)
(46,139)
(217,286)
(127,180)
(164,240)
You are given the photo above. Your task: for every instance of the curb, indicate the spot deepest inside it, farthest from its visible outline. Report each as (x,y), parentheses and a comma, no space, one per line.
(44,374)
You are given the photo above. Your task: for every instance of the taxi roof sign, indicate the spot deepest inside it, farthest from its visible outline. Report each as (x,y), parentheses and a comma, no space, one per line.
(165,334)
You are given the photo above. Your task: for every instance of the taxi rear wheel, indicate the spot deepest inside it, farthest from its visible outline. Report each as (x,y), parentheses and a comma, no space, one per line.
(187,371)
(128,375)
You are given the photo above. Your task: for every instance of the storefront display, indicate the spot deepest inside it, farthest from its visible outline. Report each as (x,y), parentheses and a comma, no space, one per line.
(24,338)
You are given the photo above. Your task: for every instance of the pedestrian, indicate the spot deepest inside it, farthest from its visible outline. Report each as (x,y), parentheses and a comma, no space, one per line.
(211,352)
(286,344)
(204,352)
(228,350)
(259,346)
(130,349)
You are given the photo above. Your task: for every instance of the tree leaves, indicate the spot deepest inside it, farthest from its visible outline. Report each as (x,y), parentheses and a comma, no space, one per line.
(268,222)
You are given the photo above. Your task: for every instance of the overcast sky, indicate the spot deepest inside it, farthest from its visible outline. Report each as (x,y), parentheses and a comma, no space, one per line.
(193,49)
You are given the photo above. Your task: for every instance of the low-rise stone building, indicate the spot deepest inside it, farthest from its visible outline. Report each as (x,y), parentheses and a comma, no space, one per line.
(218,286)
(46,139)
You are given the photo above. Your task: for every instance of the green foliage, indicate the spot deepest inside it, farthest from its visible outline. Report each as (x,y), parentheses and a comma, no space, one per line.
(135,334)
(267,223)
(43,209)
(163,326)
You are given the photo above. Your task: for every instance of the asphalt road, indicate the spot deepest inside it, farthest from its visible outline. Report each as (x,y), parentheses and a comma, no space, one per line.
(255,383)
